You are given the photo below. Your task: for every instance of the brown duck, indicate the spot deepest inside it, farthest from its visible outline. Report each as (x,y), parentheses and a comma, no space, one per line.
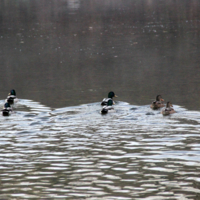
(158,103)
(168,110)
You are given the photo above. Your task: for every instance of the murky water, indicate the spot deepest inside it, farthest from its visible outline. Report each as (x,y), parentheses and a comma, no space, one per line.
(65,56)
(77,153)
(72,52)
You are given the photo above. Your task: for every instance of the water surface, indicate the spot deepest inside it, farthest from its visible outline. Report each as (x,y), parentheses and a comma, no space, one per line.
(77,153)
(63,57)
(67,53)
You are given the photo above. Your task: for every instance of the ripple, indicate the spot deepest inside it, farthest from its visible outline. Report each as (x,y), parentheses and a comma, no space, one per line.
(75,152)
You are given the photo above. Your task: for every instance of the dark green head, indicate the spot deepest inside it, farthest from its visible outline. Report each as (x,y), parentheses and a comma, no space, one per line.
(12,92)
(6,105)
(110,102)
(111,95)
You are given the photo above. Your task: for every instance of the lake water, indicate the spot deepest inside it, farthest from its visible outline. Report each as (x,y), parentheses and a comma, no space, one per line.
(62,58)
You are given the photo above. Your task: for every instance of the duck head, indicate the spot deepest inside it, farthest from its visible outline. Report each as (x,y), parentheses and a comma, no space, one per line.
(111,95)
(169,104)
(6,105)
(110,102)
(159,98)
(12,92)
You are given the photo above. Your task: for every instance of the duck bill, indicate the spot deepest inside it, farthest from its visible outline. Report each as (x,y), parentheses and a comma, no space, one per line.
(115,96)
(162,99)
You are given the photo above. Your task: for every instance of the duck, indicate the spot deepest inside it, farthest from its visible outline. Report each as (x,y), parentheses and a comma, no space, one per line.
(12,98)
(108,107)
(7,109)
(158,103)
(110,96)
(168,110)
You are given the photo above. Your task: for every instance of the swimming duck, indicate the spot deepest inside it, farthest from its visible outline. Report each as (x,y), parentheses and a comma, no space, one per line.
(7,109)
(12,98)
(158,103)
(168,110)
(110,96)
(108,107)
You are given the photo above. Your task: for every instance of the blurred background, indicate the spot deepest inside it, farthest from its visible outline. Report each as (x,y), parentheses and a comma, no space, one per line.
(71,52)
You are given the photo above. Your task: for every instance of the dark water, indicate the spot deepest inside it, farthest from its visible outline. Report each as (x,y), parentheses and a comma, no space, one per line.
(63,57)
(69,52)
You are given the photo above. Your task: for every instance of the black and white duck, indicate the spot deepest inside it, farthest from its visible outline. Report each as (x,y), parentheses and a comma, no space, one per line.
(110,96)
(7,109)
(12,98)
(108,107)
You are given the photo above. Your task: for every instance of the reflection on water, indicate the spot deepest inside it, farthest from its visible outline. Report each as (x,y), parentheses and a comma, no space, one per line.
(76,153)
(73,4)
(68,55)
(74,52)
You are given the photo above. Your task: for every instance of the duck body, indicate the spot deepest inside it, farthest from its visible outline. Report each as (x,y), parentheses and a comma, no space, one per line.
(7,109)
(12,98)
(105,101)
(168,110)
(108,107)
(110,97)
(158,103)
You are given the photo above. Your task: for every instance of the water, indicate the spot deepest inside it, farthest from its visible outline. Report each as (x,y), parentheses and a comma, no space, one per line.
(63,57)
(67,53)
(77,153)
